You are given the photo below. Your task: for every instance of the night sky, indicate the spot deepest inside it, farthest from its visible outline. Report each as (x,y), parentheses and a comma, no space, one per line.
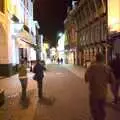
(50,15)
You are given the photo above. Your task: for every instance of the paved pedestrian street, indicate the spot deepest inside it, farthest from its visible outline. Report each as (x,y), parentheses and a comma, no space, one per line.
(14,109)
(65,97)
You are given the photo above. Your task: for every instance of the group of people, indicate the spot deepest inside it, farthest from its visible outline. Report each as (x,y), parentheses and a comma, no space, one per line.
(38,69)
(60,60)
(98,75)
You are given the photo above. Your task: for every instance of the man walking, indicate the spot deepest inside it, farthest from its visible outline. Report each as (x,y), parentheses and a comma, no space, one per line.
(98,75)
(115,65)
(39,74)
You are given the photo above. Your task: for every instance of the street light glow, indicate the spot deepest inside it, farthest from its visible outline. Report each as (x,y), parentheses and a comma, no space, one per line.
(60,34)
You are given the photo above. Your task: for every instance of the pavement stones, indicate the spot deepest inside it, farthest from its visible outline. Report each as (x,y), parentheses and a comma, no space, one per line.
(14,109)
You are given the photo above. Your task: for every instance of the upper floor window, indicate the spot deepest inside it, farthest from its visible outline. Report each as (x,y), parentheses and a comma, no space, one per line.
(98,3)
(2,6)
(105,5)
(22,1)
(92,6)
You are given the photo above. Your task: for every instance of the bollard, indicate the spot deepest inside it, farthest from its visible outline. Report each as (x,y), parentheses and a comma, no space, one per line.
(2,97)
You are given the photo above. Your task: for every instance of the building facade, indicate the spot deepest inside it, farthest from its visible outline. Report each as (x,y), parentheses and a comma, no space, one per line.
(92,20)
(5,58)
(71,37)
(17,34)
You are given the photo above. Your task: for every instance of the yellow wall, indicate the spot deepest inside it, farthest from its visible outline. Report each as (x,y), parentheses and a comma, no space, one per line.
(4,33)
(114,15)
(13,7)
(4,19)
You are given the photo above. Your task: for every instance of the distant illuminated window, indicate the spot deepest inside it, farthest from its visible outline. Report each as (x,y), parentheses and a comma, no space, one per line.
(2,6)
(87,9)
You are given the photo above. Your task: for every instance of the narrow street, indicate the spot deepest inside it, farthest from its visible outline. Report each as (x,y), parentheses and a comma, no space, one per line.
(65,98)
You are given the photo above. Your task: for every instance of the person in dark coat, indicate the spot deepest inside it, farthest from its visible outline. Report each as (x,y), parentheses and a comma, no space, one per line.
(39,75)
(58,61)
(115,65)
(61,60)
(98,75)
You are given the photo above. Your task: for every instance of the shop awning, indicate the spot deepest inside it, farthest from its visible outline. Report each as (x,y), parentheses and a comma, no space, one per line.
(25,36)
(24,39)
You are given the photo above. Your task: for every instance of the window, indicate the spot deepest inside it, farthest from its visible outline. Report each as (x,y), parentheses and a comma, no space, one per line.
(27,4)
(92,6)
(98,3)
(105,4)
(22,1)
(97,32)
(81,38)
(83,16)
(92,34)
(104,30)
(80,19)
(87,9)
(2,6)
(87,41)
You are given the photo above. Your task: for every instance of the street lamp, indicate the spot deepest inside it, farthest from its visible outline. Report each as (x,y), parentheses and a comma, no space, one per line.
(60,34)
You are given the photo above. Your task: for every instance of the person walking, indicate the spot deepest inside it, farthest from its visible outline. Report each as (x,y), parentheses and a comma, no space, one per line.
(22,73)
(58,60)
(38,69)
(61,60)
(98,75)
(115,65)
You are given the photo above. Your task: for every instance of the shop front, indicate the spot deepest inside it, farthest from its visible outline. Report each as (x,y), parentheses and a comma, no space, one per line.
(24,44)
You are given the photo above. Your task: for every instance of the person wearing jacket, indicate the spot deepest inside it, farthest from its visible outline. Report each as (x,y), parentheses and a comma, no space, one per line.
(115,65)
(22,73)
(38,69)
(98,75)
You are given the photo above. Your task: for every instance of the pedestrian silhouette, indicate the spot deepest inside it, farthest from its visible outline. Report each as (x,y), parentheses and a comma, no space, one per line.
(115,65)
(39,75)
(58,61)
(98,75)
(61,60)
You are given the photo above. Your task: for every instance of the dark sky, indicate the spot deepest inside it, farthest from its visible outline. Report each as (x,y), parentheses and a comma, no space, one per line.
(50,15)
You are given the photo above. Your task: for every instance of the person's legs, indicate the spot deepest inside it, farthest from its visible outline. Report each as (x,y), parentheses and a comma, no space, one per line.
(39,84)
(24,87)
(97,109)
(101,110)
(93,106)
(116,93)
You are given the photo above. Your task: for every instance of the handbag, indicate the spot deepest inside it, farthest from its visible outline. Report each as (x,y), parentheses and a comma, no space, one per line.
(34,77)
